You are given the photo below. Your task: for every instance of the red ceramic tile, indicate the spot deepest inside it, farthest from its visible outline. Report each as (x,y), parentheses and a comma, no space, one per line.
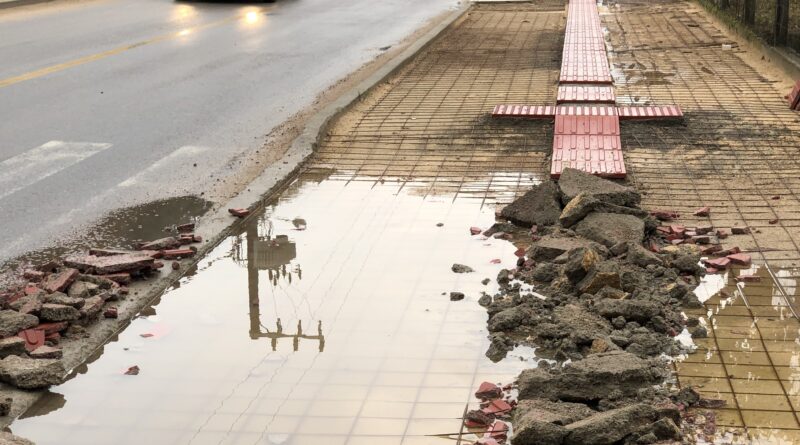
(651,112)
(586,93)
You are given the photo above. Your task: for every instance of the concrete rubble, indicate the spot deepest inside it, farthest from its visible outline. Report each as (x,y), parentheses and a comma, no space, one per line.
(55,301)
(610,282)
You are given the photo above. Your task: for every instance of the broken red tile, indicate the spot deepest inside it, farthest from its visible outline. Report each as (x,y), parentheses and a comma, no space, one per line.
(60,281)
(727,252)
(677,229)
(723,233)
(133,370)
(774,221)
(701,239)
(176,265)
(704,229)
(178,253)
(188,227)
(654,247)
(740,230)
(45,351)
(119,278)
(674,237)
(198,239)
(740,259)
(676,242)
(33,338)
(157,265)
(488,390)
(104,265)
(711,249)
(111,313)
(146,335)
(495,261)
(520,253)
(239,213)
(748,278)
(31,289)
(775,197)
(664,230)
(711,270)
(186,239)
(53,338)
(473,424)
(664,215)
(497,407)
(718,263)
(498,430)
(50,328)
(160,244)
(33,275)
(703,211)
(690,234)
(475,230)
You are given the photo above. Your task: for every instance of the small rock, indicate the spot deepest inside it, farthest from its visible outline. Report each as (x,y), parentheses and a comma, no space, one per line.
(133,370)
(111,313)
(461,268)
(456,296)
(12,346)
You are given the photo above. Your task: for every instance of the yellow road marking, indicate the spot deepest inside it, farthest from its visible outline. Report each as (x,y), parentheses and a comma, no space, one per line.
(102,55)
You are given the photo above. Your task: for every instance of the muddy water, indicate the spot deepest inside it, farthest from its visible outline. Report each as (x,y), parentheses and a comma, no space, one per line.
(327,320)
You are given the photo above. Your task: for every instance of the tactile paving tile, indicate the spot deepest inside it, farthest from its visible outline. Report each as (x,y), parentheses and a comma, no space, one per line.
(650,112)
(585,93)
(528,111)
(588,139)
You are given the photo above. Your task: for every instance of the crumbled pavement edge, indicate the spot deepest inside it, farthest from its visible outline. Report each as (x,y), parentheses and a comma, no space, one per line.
(599,291)
(218,224)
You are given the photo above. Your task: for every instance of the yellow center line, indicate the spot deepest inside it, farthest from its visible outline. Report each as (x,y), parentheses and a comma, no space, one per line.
(102,55)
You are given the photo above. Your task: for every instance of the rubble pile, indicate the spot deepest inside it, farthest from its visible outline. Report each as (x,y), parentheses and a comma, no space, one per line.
(60,299)
(589,296)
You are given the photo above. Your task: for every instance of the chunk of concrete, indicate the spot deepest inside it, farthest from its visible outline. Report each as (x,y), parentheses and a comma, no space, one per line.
(642,257)
(12,322)
(28,373)
(610,427)
(579,262)
(83,289)
(63,299)
(631,310)
(539,206)
(58,312)
(574,182)
(12,346)
(58,282)
(110,264)
(609,229)
(10,439)
(600,276)
(584,204)
(549,247)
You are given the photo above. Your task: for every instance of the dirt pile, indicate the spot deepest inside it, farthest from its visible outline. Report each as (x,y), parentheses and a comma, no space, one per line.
(606,309)
(58,300)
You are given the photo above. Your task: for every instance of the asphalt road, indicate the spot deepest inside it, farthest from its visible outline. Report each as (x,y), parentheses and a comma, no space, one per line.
(110,103)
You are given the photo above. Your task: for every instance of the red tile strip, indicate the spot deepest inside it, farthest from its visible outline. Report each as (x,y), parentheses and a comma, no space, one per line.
(586,93)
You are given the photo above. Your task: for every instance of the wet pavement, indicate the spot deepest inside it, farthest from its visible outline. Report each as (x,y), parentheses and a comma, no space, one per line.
(342,332)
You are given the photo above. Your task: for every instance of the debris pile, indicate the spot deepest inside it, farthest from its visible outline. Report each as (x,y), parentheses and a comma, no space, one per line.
(60,299)
(606,309)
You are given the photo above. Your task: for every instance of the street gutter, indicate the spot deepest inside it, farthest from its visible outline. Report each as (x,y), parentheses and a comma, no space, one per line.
(218,224)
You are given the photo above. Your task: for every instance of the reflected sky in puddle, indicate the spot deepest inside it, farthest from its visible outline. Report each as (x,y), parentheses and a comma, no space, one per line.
(337,332)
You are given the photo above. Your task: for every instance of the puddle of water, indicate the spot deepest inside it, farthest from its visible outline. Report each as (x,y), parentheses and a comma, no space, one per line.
(751,358)
(121,229)
(339,331)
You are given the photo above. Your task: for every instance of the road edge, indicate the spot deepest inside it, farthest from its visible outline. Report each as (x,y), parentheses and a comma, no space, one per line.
(216,225)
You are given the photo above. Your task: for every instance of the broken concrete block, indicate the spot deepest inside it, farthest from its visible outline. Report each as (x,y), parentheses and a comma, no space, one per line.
(33,275)
(161,244)
(110,264)
(29,304)
(609,229)
(574,182)
(58,312)
(600,276)
(642,257)
(28,373)
(46,352)
(63,299)
(12,322)
(10,439)
(610,427)
(584,204)
(83,289)
(456,296)
(92,308)
(548,247)
(579,262)
(60,281)
(12,346)
(539,206)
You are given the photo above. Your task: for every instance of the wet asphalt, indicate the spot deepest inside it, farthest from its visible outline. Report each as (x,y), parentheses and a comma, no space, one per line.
(108,104)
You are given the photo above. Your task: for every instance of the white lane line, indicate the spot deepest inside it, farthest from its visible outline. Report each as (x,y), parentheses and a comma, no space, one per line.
(45,160)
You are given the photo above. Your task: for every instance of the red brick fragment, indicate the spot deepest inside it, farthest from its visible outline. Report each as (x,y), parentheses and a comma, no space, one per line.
(146,335)
(740,230)
(495,261)
(46,352)
(711,270)
(723,233)
(665,215)
(50,328)
(119,278)
(176,265)
(488,390)
(740,259)
(497,407)
(727,252)
(776,197)
(704,230)
(60,281)
(157,264)
(53,338)
(133,370)
(475,230)
(711,249)
(186,239)
(31,289)
(774,221)
(654,247)
(498,431)
(677,229)
(718,263)
(239,213)
(33,338)
(664,230)
(703,211)
(520,252)
(748,278)
(198,239)
(111,313)
(701,239)
(178,253)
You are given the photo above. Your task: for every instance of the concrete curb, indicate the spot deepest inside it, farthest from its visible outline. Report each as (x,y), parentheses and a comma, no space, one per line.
(15,3)
(218,224)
